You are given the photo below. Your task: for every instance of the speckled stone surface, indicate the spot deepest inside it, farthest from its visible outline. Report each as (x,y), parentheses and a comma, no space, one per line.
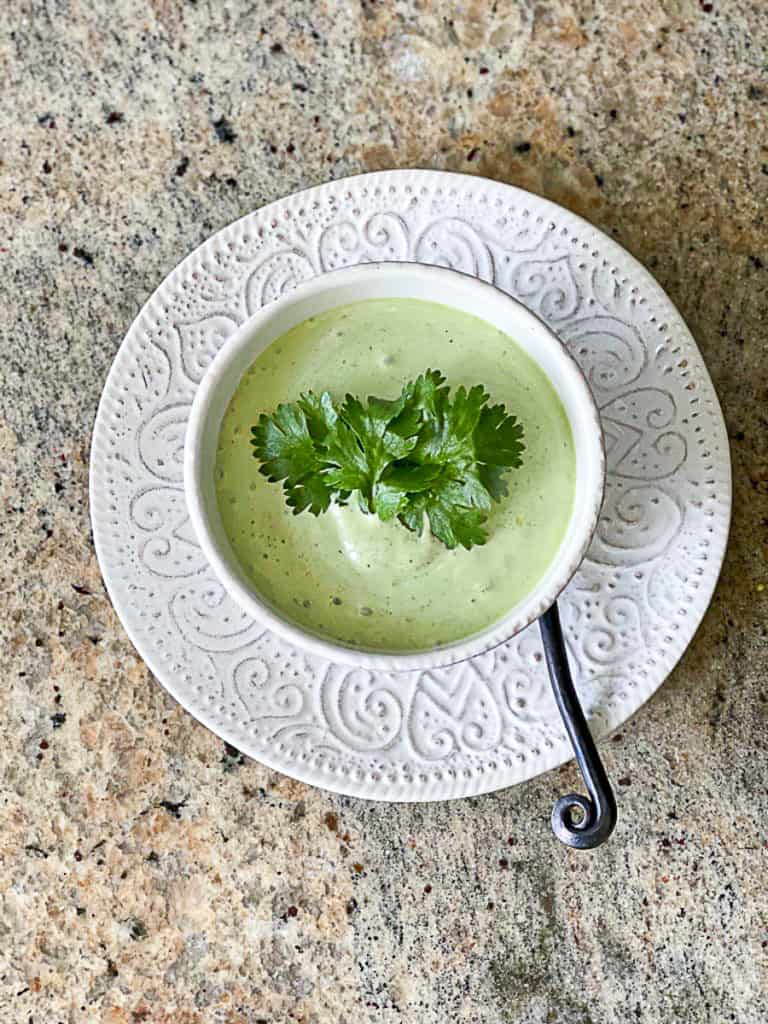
(148,873)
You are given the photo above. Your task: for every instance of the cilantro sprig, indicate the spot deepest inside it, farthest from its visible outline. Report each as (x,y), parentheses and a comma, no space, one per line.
(425,456)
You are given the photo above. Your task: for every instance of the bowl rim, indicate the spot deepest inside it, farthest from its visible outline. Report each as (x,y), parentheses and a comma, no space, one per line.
(248,600)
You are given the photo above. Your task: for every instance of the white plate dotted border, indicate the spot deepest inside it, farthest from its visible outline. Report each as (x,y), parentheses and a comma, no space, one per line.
(491,722)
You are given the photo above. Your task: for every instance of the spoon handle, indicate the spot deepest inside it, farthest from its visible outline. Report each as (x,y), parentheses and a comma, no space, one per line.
(597,812)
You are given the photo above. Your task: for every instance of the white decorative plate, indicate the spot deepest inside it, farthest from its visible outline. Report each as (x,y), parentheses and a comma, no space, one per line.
(491,722)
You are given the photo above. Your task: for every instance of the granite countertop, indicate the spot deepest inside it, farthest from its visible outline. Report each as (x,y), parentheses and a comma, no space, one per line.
(148,872)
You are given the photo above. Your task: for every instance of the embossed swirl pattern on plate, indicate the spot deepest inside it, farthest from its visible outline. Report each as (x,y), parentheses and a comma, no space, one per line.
(630,611)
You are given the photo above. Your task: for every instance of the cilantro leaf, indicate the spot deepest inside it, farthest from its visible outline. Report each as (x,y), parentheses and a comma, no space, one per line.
(498,447)
(499,438)
(447,434)
(388,501)
(320,414)
(455,524)
(423,457)
(450,519)
(426,393)
(413,477)
(362,447)
(284,445)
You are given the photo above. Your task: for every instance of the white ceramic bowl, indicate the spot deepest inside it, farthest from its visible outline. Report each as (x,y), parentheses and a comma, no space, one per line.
(393,280)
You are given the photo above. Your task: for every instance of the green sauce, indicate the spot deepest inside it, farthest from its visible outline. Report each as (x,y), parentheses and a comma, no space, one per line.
(348,576)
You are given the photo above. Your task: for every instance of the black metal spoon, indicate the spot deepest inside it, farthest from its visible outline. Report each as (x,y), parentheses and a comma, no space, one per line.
(595,815)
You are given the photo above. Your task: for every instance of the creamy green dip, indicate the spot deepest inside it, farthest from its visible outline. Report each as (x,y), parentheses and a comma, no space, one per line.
(348,576)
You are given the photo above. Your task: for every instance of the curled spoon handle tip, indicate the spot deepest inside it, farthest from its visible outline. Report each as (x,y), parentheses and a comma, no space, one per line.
(582,822)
